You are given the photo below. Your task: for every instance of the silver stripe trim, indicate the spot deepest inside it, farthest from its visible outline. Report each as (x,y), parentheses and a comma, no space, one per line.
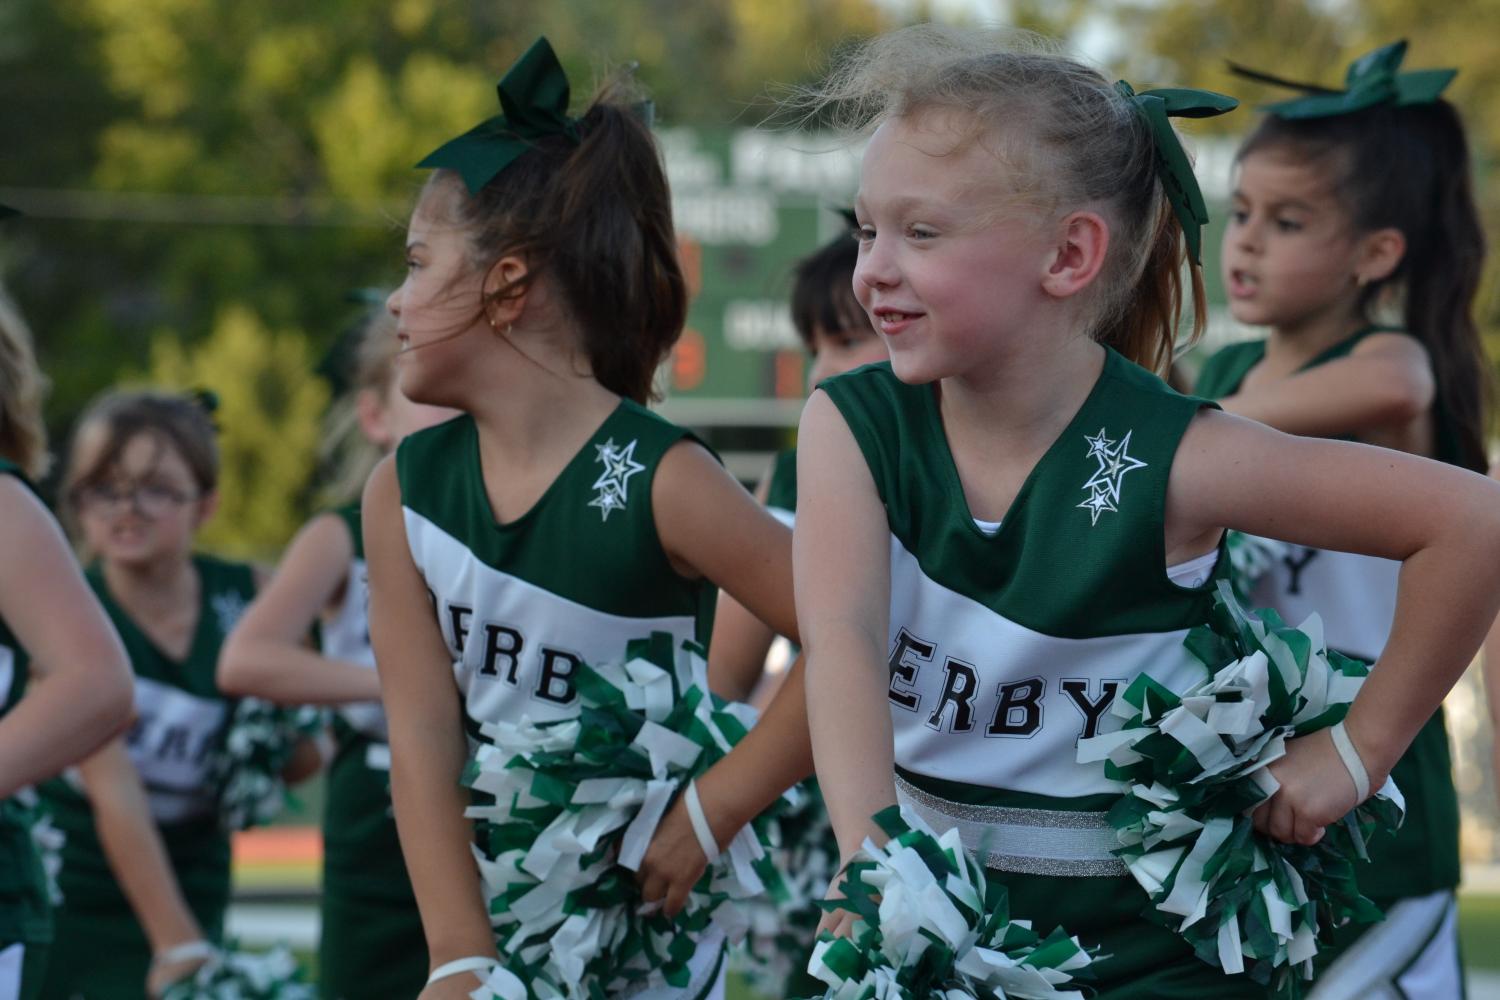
(1025,841)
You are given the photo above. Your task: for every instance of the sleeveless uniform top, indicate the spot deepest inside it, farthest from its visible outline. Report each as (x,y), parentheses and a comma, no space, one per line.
(1356,597)
(346,636)
(521,604)
(781,491)
(1007,648)
(361,853)
(25,910)
(180,720)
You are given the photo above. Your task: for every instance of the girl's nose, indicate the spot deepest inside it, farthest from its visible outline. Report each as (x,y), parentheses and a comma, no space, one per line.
(875,267)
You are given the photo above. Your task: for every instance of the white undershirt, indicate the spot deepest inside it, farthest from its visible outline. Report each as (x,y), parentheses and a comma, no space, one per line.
(1187,574)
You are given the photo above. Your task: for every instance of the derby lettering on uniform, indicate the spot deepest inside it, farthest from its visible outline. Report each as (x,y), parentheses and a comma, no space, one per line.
(1016,709)
(960,685)
(170,744)
(557,683)
(501,642)
(1019,712)
(458,621)
(1092,709)
(1296,561)
(904,672)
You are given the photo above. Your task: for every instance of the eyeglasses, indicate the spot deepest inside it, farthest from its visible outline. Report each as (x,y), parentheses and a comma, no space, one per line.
(147,499)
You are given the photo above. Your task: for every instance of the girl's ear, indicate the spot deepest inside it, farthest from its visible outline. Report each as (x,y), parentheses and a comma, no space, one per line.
(370,410)
(208,505)
(502,310)
(1379,254)
(1077,256)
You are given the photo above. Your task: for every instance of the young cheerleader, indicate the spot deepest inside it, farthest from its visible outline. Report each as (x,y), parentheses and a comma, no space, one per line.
(838,337)
(1348,207)
(64,679)
(371,942)
(145,876)
(1004,527)
(558,518)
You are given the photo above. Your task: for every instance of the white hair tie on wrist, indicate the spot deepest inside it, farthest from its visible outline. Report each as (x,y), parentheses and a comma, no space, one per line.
(474,963)
(186,951)
(1350,756)
(701,829)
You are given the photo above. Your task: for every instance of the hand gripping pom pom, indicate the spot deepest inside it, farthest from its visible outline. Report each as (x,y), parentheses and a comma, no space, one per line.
(243,975)
(575,805)
(930,926)
(1196,764)
(246,767)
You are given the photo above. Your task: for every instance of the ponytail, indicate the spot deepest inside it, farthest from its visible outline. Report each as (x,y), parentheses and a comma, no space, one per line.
(1408,168)
(1145,329)
(595,217)
(23,435)
(1442,267)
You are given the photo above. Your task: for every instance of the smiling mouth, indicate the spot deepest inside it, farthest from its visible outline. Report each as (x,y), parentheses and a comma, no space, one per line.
(892,320)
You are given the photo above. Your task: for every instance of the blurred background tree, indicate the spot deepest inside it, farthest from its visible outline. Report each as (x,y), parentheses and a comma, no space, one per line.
(179,155)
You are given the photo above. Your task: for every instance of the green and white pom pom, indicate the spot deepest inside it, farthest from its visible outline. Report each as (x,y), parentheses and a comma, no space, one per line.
(1250,558)
(46,838)
(244,975)
(246,767)
(576,803)
(1196,763)
(784,921)
(930,925)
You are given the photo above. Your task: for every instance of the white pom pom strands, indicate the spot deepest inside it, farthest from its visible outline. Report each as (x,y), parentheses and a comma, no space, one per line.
(929,926)
(1196,763)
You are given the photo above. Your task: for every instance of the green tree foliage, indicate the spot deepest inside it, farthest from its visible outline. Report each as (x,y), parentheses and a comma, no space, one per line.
(178,155)
(270,402)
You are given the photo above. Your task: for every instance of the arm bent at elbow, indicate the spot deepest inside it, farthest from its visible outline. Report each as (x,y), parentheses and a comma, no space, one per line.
(82,688)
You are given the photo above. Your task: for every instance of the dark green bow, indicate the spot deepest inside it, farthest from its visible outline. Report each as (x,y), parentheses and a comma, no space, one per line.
(1172,164)
(6,211)
(1372,80)
(533,105)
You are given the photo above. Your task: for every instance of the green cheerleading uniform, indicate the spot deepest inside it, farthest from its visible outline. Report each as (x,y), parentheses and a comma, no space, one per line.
(522,604)
(781,490)
(25,909)
(1356,597)
(372,944)
(1009,643)
(101,950)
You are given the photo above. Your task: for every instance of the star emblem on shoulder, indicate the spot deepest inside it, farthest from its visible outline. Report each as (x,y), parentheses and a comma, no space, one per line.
(1115,461)
(613,483)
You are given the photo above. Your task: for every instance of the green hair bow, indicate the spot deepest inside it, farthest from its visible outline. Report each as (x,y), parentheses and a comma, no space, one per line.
(1372,80)
(1172,164)
(6,211)
(533,104)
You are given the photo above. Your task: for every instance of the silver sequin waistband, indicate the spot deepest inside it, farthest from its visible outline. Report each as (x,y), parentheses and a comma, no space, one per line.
(1026,841)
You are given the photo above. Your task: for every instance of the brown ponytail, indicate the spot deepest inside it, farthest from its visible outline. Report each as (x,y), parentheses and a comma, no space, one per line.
(1145,331)
(596,219)
(23,435)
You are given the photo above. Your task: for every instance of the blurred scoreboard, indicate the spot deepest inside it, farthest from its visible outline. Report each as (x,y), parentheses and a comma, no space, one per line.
(749,203)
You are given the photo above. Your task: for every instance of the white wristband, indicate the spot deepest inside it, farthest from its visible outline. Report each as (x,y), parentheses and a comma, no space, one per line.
(1350,756)
(184,952)
(474,963)
(701,829)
